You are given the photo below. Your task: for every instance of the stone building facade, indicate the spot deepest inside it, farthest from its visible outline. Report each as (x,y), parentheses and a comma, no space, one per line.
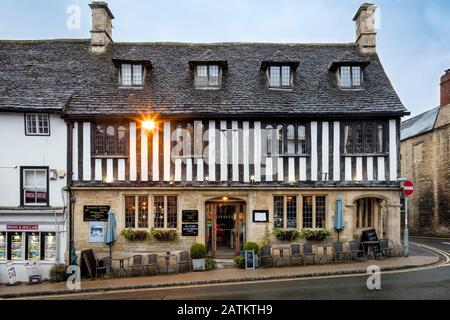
(425,153)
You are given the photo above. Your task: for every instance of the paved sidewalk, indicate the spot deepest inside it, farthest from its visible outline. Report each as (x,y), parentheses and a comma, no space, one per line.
(218,276)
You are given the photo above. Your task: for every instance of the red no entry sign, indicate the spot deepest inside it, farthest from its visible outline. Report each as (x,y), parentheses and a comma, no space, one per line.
(408,188)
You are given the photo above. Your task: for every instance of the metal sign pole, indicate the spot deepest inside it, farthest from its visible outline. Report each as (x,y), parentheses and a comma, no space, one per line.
(406,231)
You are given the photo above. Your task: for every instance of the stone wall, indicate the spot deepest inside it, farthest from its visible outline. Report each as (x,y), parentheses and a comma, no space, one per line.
(254,199)
(426,160)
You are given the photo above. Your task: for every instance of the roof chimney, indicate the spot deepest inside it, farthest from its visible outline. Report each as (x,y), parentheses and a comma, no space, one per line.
(366,37)
(101,33)
(445,89)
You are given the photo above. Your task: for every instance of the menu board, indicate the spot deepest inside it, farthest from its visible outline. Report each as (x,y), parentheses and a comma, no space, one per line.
(189,229)
(33,244)
(16,246)
(249,259)
(190,216)
(2,246)
(95,213)
(49,246)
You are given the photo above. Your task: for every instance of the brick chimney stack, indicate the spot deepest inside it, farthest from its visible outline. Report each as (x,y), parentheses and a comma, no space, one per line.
(101,33)
(366,37)
(445,89)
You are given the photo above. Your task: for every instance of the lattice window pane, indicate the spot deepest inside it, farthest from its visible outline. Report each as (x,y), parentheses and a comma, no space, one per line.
(202,76)
(43,124)
(172,212)
(214,75)
(320,212)
(143,212)
(121,131)
(359,138)
(291,204)
(286,76)
(356,76)
(290,139)
(280,139)
(308,212)
(99,143)
(158,209)
(110,136)
(274,78)
(278,211)
(126,74)
(130,210)
(269,135)
(301,140)
(137,75)
(369,138)
(346,79)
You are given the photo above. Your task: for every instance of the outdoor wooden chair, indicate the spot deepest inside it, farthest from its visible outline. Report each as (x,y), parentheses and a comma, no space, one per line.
(356,249)
(266,255)
(104,267)
(184,260)
(387,247)
(339,252)
(151,262)
(309,251)
(136,264)
(296,253)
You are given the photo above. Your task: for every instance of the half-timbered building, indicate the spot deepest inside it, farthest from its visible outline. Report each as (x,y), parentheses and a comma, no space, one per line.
(216,141)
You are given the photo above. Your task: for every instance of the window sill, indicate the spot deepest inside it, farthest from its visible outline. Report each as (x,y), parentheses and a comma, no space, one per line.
(286,89)
(141,87)
(208,88)
(289,155)
(110,157)
(365,155)
(37,135)
(352,89)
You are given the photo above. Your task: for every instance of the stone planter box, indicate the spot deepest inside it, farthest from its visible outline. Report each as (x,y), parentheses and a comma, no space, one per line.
(198,264)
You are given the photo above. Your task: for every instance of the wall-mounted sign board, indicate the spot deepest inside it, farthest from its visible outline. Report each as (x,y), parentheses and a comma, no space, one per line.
(189,229)
(260,215)
(189,215)
(95,213)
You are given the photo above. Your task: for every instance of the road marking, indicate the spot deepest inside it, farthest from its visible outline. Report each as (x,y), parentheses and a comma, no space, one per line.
(447,243)
(446,263)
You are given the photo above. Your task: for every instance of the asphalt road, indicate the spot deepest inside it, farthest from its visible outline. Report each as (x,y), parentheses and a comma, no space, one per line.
(432,283)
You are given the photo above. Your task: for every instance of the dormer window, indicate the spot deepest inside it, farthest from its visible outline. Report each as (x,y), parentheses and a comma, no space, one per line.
(350,77)
(207,76)
(280,77)
(131,75)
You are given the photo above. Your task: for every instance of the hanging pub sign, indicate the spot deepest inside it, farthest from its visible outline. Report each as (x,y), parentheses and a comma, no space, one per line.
(95,213)
(189,229)
(189,215)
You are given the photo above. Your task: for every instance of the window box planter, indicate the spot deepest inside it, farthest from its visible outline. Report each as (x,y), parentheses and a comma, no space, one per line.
(164,235)
(286,234)
(135,235)
(318,235)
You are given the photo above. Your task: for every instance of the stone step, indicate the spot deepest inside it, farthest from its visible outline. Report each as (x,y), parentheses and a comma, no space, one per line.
(224,263)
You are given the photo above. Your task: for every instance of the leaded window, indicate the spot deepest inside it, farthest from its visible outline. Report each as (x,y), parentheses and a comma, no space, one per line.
(131,74)
(37,124)
(285,211)
(350,77)
(291,212)
(280,77)
(207,76)
(369,135)
(280,139)
(380,148)
(110,140)
(143,211)
(269,139)
(165,210)
(158,210)
(314,212)
(278,211)
(307,212)
(290,139)
(172,212)
(348,138)
(363,138)
(320,212)
(130,211)
(301,139)
(358,138)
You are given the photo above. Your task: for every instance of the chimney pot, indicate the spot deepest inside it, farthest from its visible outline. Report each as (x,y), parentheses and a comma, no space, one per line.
(101,33)
(445,89)
(366,37)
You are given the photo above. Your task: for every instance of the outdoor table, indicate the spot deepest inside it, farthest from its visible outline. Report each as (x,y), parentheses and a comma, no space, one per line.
(326,257)
(167,257)
(121,264)
(281,249)
(370,245)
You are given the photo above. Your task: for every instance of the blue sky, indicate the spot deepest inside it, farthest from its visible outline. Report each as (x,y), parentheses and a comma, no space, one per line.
(413,39)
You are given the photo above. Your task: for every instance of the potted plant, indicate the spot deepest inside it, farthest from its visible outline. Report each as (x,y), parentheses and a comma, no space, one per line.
(198,255)
(314,235)
(239,261)
(286,235)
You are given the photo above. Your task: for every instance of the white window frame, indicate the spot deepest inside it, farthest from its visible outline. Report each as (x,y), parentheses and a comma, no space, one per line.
(26,188)
(282,82)
(136,76)
(40,122)
(209,76)
(352,85)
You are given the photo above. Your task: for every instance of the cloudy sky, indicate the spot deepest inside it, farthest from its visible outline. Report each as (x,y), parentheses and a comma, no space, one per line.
(413,35)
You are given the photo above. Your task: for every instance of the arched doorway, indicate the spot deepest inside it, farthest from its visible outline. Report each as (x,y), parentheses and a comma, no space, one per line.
(225,227)
(369,213)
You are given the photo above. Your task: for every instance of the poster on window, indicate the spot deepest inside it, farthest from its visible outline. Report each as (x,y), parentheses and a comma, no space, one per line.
(34,247)
(2,246)
(49,246)
(96,231)
(16,246)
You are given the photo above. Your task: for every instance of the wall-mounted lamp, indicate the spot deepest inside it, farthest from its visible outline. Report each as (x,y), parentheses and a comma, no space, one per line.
(148,125)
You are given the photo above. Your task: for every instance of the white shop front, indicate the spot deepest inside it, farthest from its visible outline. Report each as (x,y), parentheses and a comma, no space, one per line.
(32,239)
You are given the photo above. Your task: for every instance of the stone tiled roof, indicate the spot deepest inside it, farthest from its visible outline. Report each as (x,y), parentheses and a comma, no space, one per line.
(419,124)
(64,75)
